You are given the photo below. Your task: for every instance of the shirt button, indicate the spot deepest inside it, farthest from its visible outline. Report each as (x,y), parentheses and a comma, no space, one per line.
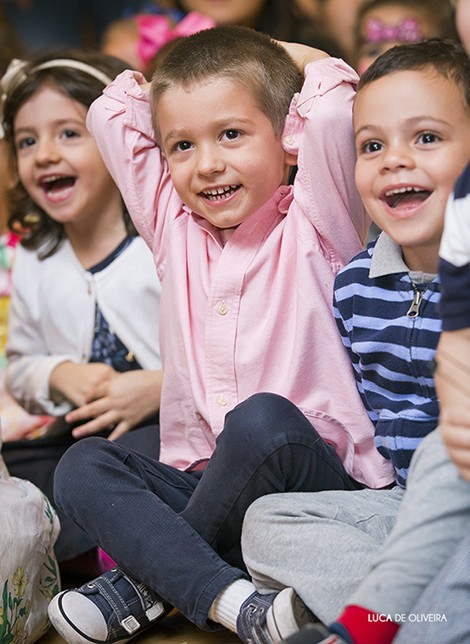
(222,308)
(222,401)
(289,140)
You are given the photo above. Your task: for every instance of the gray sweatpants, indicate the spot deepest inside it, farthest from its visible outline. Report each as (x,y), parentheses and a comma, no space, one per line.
(445,603)
(375,548)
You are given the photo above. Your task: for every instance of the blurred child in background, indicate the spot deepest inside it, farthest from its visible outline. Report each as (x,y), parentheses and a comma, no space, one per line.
(138,39)
(382,24)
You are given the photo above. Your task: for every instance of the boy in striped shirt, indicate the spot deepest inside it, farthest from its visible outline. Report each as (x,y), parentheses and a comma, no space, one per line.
(411,122)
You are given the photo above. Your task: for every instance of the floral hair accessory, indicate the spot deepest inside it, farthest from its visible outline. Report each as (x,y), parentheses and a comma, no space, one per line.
(155,31)
(408,30)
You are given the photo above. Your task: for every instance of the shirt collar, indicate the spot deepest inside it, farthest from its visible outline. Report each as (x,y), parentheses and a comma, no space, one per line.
(387,258)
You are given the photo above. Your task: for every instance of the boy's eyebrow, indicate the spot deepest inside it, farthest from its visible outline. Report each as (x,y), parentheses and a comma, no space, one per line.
(411,121)
(226,123)
(174,134)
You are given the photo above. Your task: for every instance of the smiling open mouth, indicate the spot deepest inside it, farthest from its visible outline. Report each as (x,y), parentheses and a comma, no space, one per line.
(408,197)
(218,194)
(57,184)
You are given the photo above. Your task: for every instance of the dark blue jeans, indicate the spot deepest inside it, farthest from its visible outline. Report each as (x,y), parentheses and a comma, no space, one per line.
(179,532)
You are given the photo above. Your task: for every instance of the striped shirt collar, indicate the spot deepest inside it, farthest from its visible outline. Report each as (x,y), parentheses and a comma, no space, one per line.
(387,259)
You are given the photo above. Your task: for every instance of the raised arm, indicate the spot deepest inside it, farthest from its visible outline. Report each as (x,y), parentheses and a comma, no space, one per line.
(121,123)
(319,129)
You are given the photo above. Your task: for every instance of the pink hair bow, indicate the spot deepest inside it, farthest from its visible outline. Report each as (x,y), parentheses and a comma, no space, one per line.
(156,31)
(408,30)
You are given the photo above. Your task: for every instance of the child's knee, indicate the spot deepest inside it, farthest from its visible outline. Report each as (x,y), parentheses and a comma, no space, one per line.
(263,414)
(74,469)
(258,519)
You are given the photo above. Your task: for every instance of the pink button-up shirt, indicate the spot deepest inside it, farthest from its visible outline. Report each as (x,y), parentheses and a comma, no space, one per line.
(255,314)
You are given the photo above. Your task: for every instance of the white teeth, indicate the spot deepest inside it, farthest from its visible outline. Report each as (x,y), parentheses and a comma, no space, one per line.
(219,191)
(397,191)
(52,178)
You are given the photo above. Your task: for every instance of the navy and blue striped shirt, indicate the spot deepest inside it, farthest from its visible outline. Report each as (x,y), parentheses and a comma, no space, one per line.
(454,265)
(389,322)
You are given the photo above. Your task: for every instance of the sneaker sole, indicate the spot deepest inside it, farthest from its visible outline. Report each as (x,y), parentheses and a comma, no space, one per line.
(69,632)
(287,615)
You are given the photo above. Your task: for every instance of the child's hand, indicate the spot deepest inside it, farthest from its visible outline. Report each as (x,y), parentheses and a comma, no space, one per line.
(75,382)
(142,81)
(302,54)
(119,404)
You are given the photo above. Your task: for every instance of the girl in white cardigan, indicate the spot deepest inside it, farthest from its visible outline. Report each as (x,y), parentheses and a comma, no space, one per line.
(83,332)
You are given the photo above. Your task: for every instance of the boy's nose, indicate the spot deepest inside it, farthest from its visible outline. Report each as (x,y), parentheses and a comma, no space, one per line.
(210,161)
(397,156)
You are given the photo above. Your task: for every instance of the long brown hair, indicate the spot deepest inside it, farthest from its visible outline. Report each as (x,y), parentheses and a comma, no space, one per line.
(37,229)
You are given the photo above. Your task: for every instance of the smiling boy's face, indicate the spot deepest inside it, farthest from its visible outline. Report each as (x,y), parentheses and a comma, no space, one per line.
(412,132)
(224,157)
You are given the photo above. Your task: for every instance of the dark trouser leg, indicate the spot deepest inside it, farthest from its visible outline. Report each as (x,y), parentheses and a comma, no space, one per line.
(129,504)
(165,531)
(267,446)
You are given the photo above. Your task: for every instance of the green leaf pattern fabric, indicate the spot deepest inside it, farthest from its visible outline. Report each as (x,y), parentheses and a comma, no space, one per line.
(29,574)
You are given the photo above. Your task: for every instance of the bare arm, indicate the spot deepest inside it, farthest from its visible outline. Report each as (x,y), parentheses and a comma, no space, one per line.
(302,55)
(453,387)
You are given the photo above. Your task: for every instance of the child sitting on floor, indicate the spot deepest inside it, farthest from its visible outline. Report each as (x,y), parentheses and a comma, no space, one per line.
(247,264)
(411,146)
(83,323)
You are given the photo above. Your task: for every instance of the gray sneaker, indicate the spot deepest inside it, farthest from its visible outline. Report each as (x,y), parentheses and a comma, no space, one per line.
(269,619)
(111,608)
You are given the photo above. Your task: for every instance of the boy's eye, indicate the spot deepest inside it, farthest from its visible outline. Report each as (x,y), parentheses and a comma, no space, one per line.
(182,146)
(370,146)
(231,135)
(428,137)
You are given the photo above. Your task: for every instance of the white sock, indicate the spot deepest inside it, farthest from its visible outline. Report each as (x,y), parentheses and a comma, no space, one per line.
(226,606)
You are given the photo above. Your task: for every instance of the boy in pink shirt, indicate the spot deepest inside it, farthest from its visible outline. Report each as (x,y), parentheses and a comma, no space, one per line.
(247,264)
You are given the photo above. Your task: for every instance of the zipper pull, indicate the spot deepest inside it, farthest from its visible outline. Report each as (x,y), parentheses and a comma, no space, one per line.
(413,311)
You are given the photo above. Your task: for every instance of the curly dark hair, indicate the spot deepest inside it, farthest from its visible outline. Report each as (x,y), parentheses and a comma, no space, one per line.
(37,229)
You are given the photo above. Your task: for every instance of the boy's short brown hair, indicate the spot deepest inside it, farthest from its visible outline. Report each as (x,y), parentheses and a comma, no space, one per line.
(239,54)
